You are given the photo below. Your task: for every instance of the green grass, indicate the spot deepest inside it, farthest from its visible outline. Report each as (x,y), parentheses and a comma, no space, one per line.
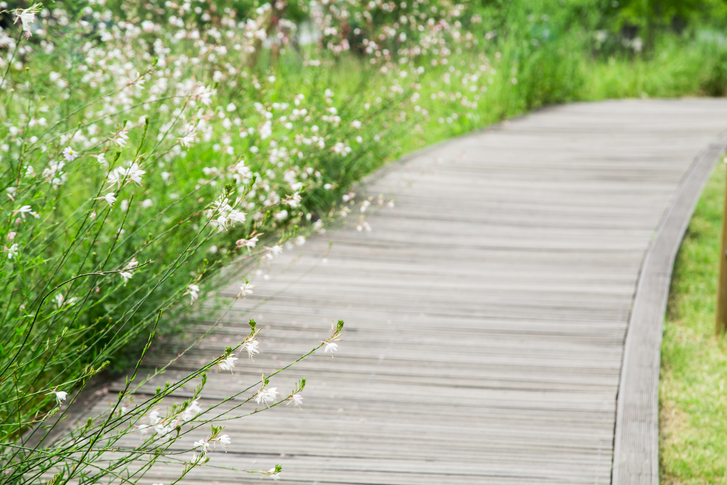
(693,394)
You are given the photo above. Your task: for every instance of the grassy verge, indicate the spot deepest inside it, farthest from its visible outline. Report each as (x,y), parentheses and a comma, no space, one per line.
(693,403)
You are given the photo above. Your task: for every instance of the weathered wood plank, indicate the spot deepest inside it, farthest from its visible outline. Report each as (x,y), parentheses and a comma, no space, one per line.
(636,445)
(486,313)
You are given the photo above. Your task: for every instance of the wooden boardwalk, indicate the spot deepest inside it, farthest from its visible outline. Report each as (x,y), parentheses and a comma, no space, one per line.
(486,314)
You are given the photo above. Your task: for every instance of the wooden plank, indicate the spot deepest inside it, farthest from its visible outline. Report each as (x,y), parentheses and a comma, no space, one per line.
(636,444)
(485,314)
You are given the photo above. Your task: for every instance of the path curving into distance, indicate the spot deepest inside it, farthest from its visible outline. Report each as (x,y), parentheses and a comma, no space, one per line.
(486,314)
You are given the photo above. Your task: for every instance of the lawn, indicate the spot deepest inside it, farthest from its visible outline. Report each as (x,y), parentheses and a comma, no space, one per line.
(693,403)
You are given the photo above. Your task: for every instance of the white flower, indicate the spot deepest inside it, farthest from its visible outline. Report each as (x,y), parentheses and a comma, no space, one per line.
(146,204)
(266,130)
(193,292)
(134,172)
(13,251)
(110,198)
(246,289)
(55,174)
(187,140)
(59,300)
(142,429)
(204,95)
(163,430)
(70,154)
(266,396)
(154,418)
(296,399)
(126,275)
(248,243)
(271,474)
(225,440)
(121,138)
(228,363)
(60,396)
(203,445)
(237,216)
(332,346)
(26,209)
(27,17)
(100,158)
(192,410)
(251,348)
(294,201)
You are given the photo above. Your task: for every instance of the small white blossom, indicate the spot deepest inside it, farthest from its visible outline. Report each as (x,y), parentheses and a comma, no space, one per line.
(228,363)
(70,154)
(203,445)
(251,348)
(248,243)
(192,410)
(154,418)
(27,17)
(331,346)
(296,399)
(271,474)
(121,138)
(193,292)
(13,251)
(60,396)
(246,289)
(26,209)
(266,396)
(110,198)
(225,440)
(294,200)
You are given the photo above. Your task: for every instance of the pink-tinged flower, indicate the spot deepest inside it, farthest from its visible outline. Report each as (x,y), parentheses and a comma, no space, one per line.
(110,198)
(248,243)
(26,209)
(186,140)
(193,292)
(27,17)
(121,138)
(134,172)
(294,200)
(296,399)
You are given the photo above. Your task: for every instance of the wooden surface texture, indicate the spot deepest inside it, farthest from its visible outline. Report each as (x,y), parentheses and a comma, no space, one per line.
(486,313)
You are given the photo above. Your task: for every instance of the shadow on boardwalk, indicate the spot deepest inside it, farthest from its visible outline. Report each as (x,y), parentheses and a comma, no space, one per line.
(486,313)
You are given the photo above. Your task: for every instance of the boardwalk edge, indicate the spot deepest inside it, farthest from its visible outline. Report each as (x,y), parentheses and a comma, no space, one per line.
(636,440)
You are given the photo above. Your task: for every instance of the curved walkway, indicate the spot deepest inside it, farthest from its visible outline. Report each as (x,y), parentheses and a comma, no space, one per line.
(487,313)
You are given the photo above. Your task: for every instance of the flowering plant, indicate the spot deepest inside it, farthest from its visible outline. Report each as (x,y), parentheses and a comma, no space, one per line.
(142,150)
